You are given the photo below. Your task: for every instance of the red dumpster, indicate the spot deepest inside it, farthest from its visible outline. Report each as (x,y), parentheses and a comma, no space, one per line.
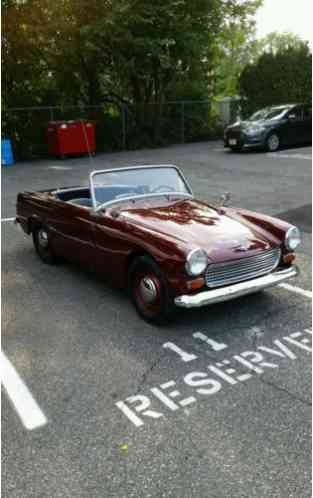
(71,138)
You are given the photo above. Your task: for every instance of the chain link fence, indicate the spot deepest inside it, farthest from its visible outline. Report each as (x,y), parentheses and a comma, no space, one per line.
(118,127)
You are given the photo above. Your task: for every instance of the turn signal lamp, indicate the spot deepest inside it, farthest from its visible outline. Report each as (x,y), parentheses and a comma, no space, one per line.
(289,258)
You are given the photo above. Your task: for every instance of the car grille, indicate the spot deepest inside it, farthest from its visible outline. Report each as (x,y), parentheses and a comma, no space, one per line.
(234,134)
(219,274)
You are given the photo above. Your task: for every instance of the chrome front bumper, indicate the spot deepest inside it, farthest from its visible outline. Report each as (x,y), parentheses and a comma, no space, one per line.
(236,290)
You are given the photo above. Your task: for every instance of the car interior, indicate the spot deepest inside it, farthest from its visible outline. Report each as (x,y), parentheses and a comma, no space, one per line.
(81,196)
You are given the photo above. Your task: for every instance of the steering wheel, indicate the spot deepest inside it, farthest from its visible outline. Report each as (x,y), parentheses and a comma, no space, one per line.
(162,187)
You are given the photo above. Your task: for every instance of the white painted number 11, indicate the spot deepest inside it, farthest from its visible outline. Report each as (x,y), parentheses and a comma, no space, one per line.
(185,356)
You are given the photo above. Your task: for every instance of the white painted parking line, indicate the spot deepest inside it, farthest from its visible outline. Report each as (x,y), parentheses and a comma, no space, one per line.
(27,408)
(3,220)
(61,168)
(297,290)
(279,155)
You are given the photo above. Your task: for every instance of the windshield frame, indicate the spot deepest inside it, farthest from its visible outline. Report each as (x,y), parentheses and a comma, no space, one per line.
(188,194)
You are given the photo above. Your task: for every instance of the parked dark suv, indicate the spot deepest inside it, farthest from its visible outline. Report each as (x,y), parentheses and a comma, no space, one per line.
(271,128)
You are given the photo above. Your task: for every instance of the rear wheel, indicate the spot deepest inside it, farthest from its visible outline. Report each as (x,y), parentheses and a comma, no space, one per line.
(42,245)
(149,291)
(272,142)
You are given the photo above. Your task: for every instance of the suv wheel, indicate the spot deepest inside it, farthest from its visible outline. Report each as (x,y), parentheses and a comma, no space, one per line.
(272,142)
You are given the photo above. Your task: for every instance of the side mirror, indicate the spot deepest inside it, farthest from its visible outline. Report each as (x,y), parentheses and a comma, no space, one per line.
(225,198)
(292,117)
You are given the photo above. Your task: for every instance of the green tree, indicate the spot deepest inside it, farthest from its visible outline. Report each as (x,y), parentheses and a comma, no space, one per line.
(235,47)
(135,53)
(277,77)
(136,50)
(278,42)
(25,75)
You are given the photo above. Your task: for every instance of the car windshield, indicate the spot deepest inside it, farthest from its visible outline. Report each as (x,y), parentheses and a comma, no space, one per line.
(269,113)
(111,186)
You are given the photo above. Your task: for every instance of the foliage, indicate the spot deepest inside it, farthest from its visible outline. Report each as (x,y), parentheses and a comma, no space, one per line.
(278,77)
(236,46)
(278,42)
(134,54)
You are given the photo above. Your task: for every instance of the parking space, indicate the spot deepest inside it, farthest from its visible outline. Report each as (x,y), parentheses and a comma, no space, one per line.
(215,404)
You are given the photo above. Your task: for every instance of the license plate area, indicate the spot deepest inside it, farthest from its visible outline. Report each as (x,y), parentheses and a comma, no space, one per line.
(232,141)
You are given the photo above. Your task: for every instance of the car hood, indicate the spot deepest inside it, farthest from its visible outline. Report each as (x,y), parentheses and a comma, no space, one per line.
(192,224)
(243,125)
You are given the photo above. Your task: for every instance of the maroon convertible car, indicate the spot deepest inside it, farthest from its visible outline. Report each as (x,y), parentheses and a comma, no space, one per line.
(142,227)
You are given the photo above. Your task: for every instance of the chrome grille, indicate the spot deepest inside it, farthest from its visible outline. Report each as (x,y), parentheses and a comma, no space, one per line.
(219,274)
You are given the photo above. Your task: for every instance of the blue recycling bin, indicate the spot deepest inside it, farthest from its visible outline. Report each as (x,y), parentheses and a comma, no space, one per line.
(7,158)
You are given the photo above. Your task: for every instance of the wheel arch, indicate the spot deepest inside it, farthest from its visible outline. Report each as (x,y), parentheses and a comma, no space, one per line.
(136,253)
(274,131)
(32,222)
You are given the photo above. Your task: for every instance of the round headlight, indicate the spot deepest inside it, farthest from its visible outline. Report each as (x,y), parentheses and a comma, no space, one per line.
(196,262)
(293,238)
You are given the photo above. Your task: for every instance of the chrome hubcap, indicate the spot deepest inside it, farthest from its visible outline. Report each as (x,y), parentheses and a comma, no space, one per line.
(273,142)
(148,290)
(43,238)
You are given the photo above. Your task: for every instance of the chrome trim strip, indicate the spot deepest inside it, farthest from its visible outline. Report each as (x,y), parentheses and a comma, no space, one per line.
(128,168)
(64,189)
(236,290)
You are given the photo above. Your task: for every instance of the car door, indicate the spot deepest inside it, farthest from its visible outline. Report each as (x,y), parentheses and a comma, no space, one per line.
(295,126)
(307,123)
(71,228)
(112,236)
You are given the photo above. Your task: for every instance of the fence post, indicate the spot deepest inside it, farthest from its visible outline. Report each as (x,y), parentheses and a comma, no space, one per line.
(183,122)
(123,127)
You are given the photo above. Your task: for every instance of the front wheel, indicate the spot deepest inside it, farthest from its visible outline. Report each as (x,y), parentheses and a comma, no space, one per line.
(149,291)
(272,142)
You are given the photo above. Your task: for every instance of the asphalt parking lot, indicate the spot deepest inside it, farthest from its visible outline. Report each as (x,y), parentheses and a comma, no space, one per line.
(103,380)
